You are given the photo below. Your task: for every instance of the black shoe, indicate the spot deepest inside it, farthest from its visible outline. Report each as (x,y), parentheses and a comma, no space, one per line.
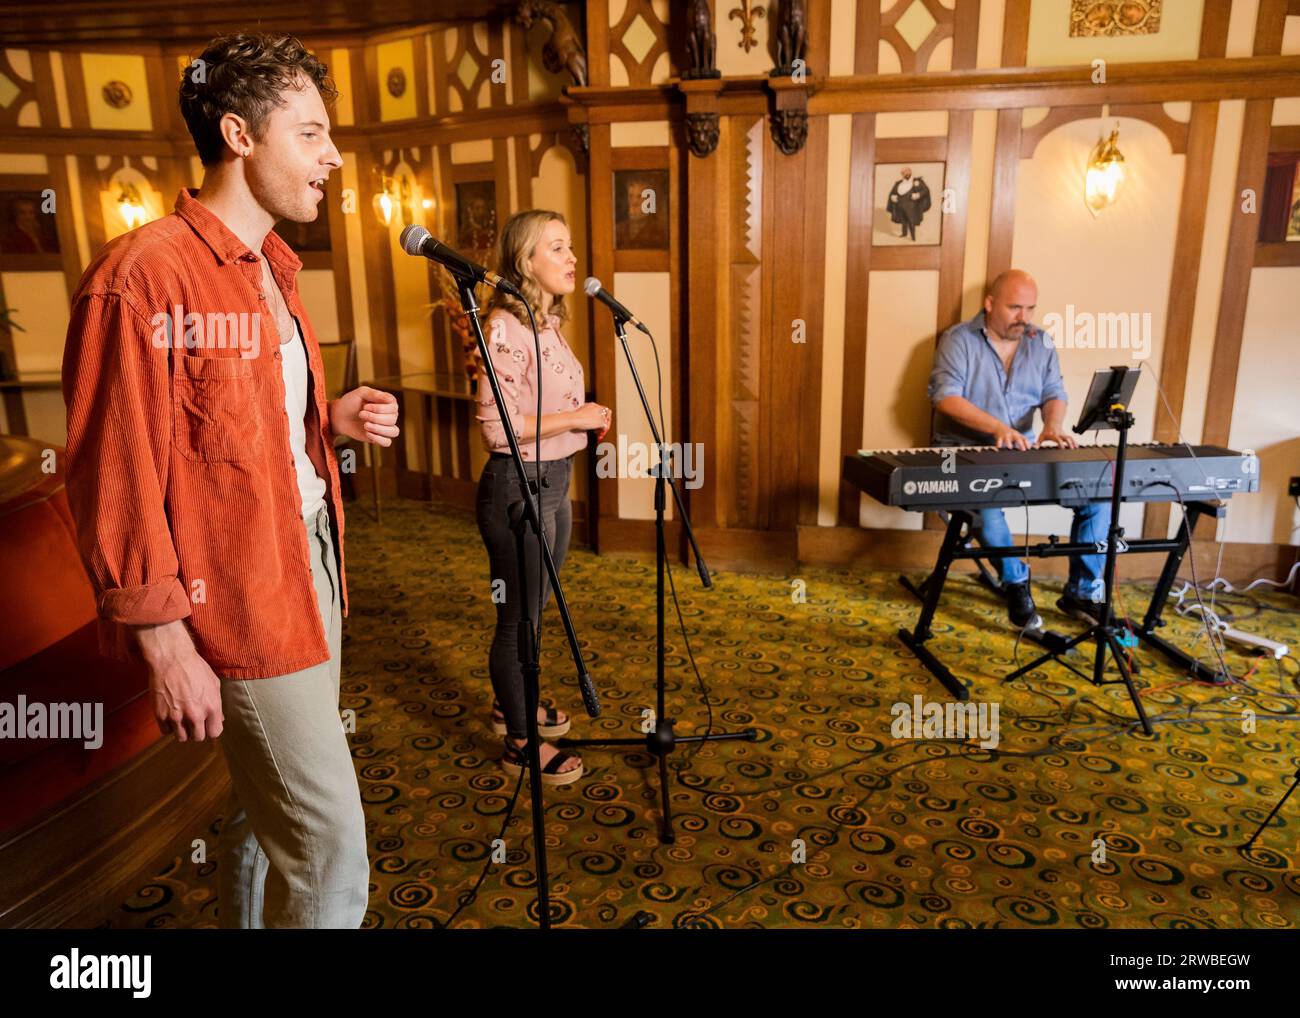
(1020,605)
(1084,611)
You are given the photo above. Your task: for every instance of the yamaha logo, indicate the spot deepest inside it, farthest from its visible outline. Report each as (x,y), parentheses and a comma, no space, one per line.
(931,487)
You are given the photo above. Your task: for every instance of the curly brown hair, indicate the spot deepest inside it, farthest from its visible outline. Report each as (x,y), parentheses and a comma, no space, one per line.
(518,239)
(244,74)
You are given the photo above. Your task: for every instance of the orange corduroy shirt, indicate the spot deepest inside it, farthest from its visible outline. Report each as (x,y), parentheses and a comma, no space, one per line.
(180,476)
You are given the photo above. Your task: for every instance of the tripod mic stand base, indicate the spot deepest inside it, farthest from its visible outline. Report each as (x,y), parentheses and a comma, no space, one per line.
(660,742)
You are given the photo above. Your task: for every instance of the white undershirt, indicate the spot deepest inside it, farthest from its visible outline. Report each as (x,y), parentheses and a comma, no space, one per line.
(293,364)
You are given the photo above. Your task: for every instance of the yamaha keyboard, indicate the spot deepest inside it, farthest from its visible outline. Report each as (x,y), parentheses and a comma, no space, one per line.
(982,477)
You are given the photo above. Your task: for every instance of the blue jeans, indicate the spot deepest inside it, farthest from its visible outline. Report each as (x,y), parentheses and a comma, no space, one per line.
(1091,524)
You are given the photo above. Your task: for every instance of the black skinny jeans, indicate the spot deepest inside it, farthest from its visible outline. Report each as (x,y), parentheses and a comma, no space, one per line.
(498,487)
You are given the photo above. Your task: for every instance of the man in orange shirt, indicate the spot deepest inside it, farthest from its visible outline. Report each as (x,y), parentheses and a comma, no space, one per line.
(205,490)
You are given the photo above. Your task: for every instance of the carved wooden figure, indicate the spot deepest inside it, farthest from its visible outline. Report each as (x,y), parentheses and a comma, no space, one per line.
(563,50)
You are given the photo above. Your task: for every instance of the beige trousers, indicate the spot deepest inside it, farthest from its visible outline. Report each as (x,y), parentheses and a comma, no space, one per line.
(293,845)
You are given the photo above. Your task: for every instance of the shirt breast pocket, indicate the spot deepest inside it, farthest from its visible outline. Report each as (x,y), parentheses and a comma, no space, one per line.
(216,418)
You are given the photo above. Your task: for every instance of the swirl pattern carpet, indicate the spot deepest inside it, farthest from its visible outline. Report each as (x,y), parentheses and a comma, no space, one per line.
(1075,818)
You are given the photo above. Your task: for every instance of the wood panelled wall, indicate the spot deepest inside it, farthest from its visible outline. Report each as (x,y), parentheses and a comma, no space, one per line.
(747,252)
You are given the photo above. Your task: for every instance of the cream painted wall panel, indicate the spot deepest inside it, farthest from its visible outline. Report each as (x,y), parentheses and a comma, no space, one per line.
(1120,262)
(649,293)
(479,151)
(731,58)
(941,58)
(24,162)
(988,50)
(839,143)
(632,133)
(900,353)
(39,301)
(98,70)
(316,288)
(1241,28)
(843,34)
(921,124)
(1291,37)
(1286,111)
(979,211)
(341,72)
(60,88)
(397,54)
(1050,43)
(1266,412)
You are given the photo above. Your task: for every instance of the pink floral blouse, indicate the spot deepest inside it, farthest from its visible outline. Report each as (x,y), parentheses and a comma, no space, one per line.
(513,355)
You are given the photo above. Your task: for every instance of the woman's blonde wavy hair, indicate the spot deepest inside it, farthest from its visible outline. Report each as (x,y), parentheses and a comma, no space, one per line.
(518,239)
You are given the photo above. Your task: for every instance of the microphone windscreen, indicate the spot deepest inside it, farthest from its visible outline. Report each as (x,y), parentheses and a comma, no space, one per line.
(591,287)
(413,238)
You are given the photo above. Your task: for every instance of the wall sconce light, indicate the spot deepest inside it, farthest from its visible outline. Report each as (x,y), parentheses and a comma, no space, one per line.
(394,201)
(130,206)
(1105,174)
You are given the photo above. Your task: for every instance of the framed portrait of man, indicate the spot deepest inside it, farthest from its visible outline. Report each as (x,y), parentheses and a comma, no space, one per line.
(908,207)
(641,210)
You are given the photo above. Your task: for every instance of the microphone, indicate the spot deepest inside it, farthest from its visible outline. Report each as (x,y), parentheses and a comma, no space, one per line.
(416,240)
(595,290)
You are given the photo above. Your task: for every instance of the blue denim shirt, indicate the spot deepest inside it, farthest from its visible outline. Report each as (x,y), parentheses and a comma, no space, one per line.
(967,365)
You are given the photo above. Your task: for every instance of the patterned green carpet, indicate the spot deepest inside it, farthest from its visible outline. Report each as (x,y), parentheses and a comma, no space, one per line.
(827,819)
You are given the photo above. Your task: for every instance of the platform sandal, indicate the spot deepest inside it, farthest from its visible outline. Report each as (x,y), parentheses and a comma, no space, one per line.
(515,759)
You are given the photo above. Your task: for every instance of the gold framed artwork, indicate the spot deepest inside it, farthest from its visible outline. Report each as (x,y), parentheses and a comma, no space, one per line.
(1104,18)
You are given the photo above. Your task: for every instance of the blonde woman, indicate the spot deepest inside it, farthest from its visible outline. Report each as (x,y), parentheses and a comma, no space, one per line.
(536,255)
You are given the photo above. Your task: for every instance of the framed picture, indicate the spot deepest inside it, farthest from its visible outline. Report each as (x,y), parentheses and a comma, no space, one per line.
(476,216)
(1105,18)
(907,207)
(1279,208)
(24,228)
(641,213)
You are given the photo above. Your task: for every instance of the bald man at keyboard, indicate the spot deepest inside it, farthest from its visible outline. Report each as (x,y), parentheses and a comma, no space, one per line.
(990,375)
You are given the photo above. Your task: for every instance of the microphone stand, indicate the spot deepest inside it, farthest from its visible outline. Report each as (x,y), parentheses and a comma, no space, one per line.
(523,515)
(662,740)
(1112,408)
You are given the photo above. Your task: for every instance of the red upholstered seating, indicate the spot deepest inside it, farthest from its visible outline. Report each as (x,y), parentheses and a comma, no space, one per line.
(49,645)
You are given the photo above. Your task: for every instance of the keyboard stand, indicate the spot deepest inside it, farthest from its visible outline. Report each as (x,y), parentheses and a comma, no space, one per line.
(1048,638)
(954,546)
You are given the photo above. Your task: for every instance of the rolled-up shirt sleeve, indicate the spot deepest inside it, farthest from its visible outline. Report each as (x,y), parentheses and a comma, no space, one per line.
(117,388)
(1053,383)
(948,377)
(513,360)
